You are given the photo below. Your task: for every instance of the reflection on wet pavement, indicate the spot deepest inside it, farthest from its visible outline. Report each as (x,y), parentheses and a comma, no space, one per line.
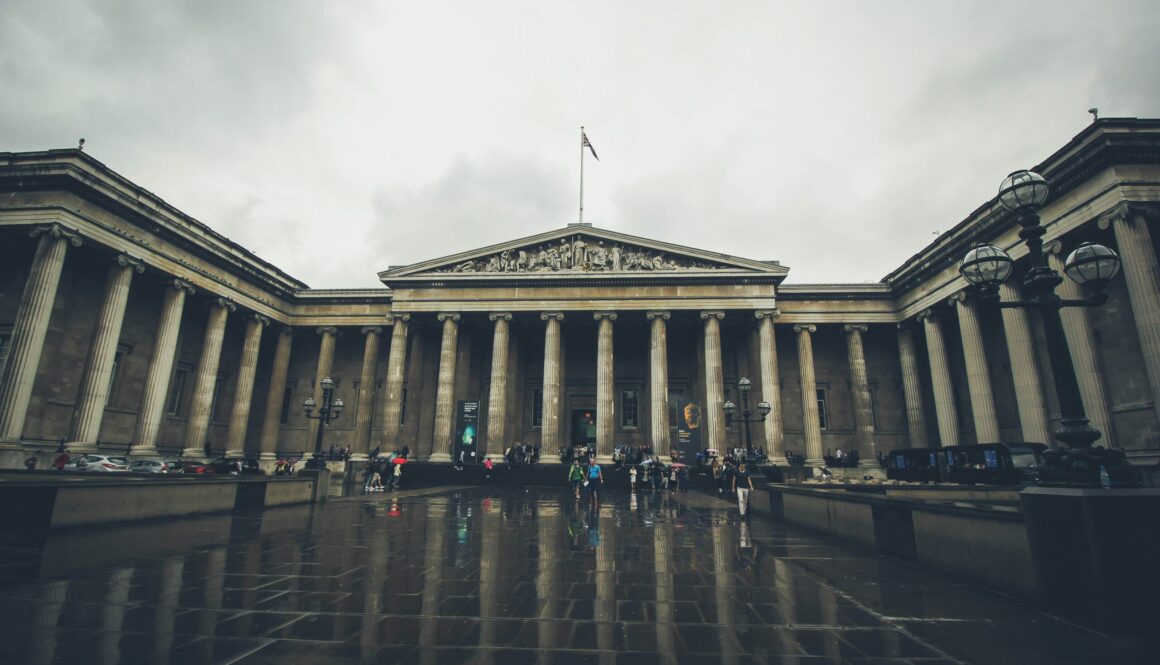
(502,576)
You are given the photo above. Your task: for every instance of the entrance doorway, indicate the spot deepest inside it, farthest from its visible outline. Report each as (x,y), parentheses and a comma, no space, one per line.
(583,427)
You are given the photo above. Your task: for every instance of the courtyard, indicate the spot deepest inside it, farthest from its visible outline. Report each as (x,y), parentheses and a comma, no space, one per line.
(502,575)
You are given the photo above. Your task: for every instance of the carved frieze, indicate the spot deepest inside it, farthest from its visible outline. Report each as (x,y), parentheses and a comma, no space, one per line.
(578,254)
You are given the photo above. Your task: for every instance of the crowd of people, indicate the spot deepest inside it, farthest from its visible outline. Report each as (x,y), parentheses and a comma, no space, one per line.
(389,467)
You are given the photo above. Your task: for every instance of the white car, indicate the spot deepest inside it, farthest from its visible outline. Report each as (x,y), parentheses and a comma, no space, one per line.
(98,463)
(166,466)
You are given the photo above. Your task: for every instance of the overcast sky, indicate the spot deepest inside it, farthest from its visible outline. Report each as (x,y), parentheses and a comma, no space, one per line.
(337,138)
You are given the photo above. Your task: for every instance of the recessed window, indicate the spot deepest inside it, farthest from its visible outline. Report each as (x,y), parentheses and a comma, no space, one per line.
(630,408)
(676,404)
(537,408)
(176,404)
(823,419)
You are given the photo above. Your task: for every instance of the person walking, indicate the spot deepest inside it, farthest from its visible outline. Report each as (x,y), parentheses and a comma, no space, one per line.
(632,478)
(575,477)
(487,466)
(595,480)
(742,484)
(396,477)
(673,473)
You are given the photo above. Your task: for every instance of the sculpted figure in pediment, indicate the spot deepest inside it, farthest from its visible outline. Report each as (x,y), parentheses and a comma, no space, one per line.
(575,254)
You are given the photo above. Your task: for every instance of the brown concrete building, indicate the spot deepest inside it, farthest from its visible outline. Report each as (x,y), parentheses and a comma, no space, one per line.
(126,324)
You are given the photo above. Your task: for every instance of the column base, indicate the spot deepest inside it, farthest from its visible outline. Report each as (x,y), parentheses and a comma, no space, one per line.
(603,459)
(198,453)
(85,447)
(144,451)
(817,461)
(266,456)
(779,461)
(439,457)
(11,444)
(550,459)
(359,457)
(235,454)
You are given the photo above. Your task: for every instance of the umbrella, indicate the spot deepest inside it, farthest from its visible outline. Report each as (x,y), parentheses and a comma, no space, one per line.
(678,465)
(400,460)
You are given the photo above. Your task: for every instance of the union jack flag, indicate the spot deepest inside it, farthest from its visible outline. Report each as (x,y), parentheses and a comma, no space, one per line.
(585,143)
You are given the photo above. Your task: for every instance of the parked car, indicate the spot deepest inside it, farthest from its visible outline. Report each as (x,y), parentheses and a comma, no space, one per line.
(98,464)
(244,466)
(154,465)
(194,466)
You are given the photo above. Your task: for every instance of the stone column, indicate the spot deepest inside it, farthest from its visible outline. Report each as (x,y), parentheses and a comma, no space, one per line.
(272,420)
(911,388)
(1081,341)
(978,373)
(197,428)
(940,379)
(605,388)
(713,418)
(659,382)
(774,426)
(1142,276)
(553,389)
(94,394)
(29,330)
(445,395)
(244,393)
(860,386)
(1024,370)
(329,335)
(366,395)
(811,419)
(396,376)
(497,396)
(160,370)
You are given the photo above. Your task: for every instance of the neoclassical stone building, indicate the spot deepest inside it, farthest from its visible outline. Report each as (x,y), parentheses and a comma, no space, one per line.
(126,324)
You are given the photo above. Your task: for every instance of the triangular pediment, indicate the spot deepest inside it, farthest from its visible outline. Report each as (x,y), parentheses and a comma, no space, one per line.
(579,250)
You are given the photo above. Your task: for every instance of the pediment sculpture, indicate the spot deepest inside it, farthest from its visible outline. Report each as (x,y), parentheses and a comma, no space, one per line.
(577,254)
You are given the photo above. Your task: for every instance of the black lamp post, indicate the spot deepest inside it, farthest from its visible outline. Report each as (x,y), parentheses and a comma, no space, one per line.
(986,267)
(330,409)
(763,409)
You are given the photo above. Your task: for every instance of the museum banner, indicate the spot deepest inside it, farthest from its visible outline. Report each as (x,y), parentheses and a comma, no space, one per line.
(466,431)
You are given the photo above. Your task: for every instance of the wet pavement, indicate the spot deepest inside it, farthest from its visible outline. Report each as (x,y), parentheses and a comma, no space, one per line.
(505,576)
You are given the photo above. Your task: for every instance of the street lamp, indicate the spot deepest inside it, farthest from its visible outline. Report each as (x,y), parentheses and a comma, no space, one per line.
(763,409)
(331,408)
(986,267)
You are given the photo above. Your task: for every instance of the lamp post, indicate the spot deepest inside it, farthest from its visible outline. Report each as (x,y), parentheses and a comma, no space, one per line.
(1093,266)
(763,409)
(330,409)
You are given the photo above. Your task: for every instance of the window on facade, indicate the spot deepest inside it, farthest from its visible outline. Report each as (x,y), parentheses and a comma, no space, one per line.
(822,417)
(5,345)
(630,408)
(676,404)
(287,397)
(219,383)
(114,374)
(537,408)
(403,407)
(176,404)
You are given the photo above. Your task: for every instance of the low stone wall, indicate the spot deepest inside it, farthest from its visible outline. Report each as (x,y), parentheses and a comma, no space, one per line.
(30,502)
(984,543)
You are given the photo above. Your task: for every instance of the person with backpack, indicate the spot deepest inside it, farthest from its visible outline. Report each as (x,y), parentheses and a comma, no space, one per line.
(576,477)
(594,481)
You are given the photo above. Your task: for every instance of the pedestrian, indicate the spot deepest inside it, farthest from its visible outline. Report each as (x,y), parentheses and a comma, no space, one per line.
(487,465)
(30,463)
(673,478)
(594,481)
(576,477)
(683,478)
(632,478)
(61,460)
(742,483)
(396,477)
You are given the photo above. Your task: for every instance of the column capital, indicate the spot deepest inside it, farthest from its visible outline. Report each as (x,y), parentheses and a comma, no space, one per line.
(959,298)
(659,314)
(262,320)
(544,316)
(285,330)
(182,285)
(855,327)
(401,316)
(1125,211)
(767,314)
(443,316)
(805,327)
(224,303)
(126,261)
(322,330)
(611,316)
(57,231)
(712,314)
(506,316)
(927,315)
(371,330)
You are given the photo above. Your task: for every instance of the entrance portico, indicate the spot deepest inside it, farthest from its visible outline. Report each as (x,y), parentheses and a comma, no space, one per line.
(608,327)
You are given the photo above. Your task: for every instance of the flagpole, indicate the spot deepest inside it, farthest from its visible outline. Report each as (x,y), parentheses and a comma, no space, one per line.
(581,174)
